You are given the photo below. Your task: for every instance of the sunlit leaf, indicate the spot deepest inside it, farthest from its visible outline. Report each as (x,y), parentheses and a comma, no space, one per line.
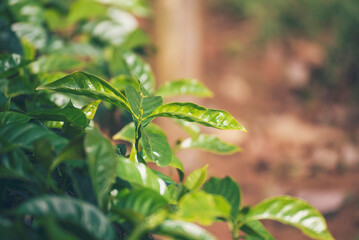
(185,86)
(80,83)
(227,188)
(210,143)
(292,211)
(194,113)
(256,231)
(90,109)
(191,128)
(196,178)
(79,213)
(102,161)
(10,64)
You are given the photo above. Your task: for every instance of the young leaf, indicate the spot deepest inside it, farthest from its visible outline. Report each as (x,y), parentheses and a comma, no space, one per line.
(202,208)
(292,211)
(140,175)
(196,179)
(13,117)
(10,64)
(183,230)
(227,188)
(79,213)
(90,109)
(255,231)
(210,143)
(185,86)
(143,202)
(88,85)
(120,82)
(127,133)
(194,113)
(102,163)
(156,148)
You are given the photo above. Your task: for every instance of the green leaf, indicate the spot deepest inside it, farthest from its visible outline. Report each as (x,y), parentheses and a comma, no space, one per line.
(140,175)
(138,69)
(79,213)
(88,85)
(143,202)
(183,230)
(176,163)
(292,211)
(32,32)
(210,143)
(156,148)
(14,163)
(120,82)
(164,177)
(185,86)
(194,113)
(196,179)
(135,100)
(192,129)
(84,9)
(68,114)
(10,64)
(13,117)
(256,231)
(55,63)
(127,133)
(227,188)
(90,109)
(202,208)
(102,161)
(137,38)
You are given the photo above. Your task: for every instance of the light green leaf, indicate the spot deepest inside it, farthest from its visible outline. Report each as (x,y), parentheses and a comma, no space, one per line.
(202,208)
(79,213)
(176,163)
(120,82)
(143,202)
(156,148)
(196,179)
(292,211)
(88,85)
(137,38)
(183,230)
(192,129)
(33,32)
(194,113)
(256,231)
(84,9)
(127,133)
(102,161)
(227,188)
(55,63)
(210,143)
(185,86)
(13,117)
(90,109)
(140,175)
(11,63)
(164,177)
(68,114)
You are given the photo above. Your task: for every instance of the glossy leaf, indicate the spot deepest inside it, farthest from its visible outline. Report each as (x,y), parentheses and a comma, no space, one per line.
(183,230)
(102,161)
(227,188)
(68,114)
(196,179)
(79,213)
(140,175)
(256,231)
(292,211)
(143,202)
(210,143)
(194,113)
(10,64)
(202,208)
(156,148)
(90,109)
(185,86)
(88,85)
(13,117)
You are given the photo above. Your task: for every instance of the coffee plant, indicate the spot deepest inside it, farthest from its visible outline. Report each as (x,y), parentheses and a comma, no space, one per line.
(61,178)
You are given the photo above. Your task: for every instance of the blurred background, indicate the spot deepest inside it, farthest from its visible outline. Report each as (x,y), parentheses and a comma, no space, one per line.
(288,70)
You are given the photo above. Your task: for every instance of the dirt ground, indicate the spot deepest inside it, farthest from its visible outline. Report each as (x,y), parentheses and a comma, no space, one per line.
(301,147)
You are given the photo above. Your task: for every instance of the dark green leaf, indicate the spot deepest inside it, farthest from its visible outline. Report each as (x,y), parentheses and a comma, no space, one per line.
(194,113)
(85,84)
(185,86)
(226,188)
(102,163)
(13,117)
(256,231)
(292,211)
(156,148)
(210,143)
(10,64)
(135,100)
(79,213)
(183,230)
